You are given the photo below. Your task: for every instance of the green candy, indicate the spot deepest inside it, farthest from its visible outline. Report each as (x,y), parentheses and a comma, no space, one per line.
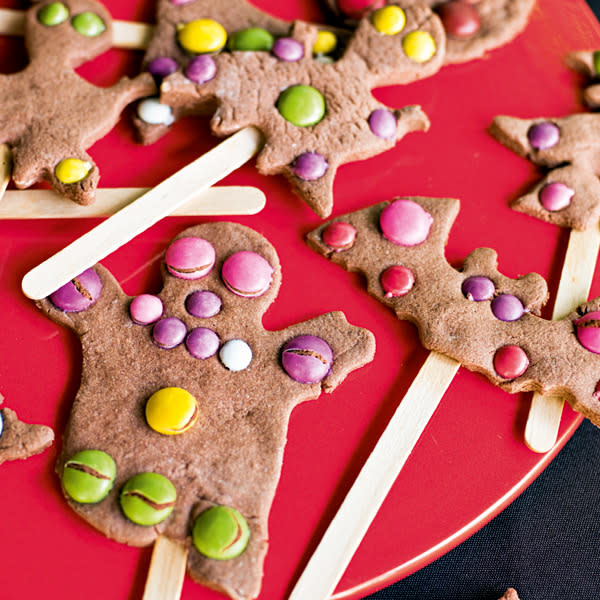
(253,38)
(596,59)
(88,24)
(88,476)
(53,14)
(220,532)
(148,498)
(301,105)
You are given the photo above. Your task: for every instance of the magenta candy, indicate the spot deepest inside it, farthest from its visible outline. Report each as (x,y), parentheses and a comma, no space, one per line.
(145,309)
(397,281)
(190,258)
(162,66)
(510,362)
(383,123)
(339,235)
(478,288)
(543,135)
(203,304)
(310,166)
(405,223)
(202,343)
(588,331)
(556,196)
(80,293)
(247,274)
(307,358)
(507,307)
(169,332)
(288,49)
(201,69)
(460,19)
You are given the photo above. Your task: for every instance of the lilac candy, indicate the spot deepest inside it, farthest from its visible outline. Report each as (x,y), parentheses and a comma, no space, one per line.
(288,49)
(507,307)
(310,166)
(202,342)
(383,123)
(556,196)
(169,332)
(478,288)
(145,309)
(80,293)
(203,304)
(307,358)
(162,66)
(543,135)
(201,69)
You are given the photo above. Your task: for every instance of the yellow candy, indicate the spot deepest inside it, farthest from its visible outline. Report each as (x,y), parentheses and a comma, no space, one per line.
(389,20)
(72,170)
(419,46)
(202,36)
(325,43)
(171,411)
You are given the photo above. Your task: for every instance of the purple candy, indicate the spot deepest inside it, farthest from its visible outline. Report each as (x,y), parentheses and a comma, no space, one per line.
(478,288)
(507,307)
(543,135)
(169,332)
(201,69)
(80,293)
(310,166)
(202,342)
(307,358)
(203,304)
(556,196)
(383,123)
(162,66)
(145,309)
(288,49)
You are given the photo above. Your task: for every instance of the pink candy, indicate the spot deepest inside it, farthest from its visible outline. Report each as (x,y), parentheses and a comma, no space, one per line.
(145,309)
(588,331)
(339,235)
(405,223)
(190,258)
(397,281)
(247,274)
(511,362)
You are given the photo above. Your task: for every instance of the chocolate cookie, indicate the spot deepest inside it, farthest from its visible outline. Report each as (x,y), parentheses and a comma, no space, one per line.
(475,315)
(50,115)
(185,399)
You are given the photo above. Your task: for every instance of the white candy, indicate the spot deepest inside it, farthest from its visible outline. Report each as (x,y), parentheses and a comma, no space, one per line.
(235,355)
(152,111)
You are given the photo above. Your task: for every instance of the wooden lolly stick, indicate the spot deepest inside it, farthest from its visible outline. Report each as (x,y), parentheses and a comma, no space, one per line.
(545,412)
(167,570)
(141,214)
(46,204)
(5,167)
(344,534)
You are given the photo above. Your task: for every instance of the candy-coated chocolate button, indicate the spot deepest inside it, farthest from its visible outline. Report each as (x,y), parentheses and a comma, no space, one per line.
(247,274)
(339,235)
(148,498)
(88,24)
(556,196)
(79,294)
(162,66)
(397,281)
(203,304)
(252,39)
(588,331)
(325,43)
(383,123)
(201,69)
(169,333)
(543,135)
(358,8)
(171,411)
(72,170)
(1,423)
(288,49)
(301,105)
(405,223)
(202,36)
(202,343)
(478,288)
(152,111)
(190,258)
(510,362)
(310,166)
(507,307)
(220,532)
(419,46)
(307,358)
(88,476)
(235,355)
(389,20)
(53,14)
(460,19)
(145,309)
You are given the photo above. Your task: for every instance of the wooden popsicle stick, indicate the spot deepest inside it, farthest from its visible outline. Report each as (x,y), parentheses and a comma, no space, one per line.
(141,214)
(167,570)
(345,532)
(543,421)
(5,168)
(46,204)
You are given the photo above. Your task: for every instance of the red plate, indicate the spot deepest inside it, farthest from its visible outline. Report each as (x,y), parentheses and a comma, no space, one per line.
(471,460)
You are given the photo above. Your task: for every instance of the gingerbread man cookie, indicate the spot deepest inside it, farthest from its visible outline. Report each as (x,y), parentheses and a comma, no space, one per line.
(308,90)
(179,426)
(50,114)
(477,316)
